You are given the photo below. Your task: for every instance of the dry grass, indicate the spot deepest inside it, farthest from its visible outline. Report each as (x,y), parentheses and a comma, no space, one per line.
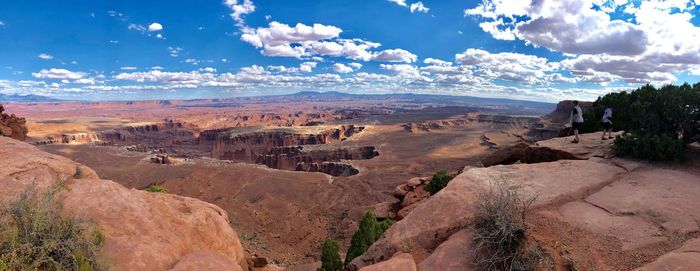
(500,231)
(35,235)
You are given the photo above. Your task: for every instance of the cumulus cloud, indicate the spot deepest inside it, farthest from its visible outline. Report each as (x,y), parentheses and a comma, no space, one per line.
(355,65)
(155,27)
(308,66)
(395,55)
(341,68)
(302,40)
(419,7)
(515,67)
(568,26)
(54,73)
(45,56)
(602,47)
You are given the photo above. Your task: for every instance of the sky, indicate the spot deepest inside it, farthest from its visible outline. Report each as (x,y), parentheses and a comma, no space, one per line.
(540,50)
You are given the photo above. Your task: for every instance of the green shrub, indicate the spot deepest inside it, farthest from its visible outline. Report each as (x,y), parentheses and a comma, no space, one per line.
(651,147)
(500,228)
(156,189)
(370,230)
(438,182)
(659,122)
(35,235)
(330,256)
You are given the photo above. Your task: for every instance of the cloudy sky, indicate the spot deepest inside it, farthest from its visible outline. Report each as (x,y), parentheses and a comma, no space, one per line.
(543,50)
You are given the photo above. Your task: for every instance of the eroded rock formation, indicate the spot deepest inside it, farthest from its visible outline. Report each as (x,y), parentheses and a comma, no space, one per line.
(144,231)
(12,126)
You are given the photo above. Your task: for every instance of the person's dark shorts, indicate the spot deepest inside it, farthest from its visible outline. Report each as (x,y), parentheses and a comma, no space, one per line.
(576,125)
(607,125)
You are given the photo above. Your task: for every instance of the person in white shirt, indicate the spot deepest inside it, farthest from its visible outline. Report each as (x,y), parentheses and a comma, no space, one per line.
(607,123)
(576,120)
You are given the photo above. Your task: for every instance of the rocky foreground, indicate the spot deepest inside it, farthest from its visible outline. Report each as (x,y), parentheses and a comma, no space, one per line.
(144,231)
(592,211)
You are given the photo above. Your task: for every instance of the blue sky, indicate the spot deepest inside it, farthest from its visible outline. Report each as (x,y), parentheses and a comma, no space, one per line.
(536,50)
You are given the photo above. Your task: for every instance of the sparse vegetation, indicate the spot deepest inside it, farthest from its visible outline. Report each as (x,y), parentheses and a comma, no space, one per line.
(154,188)
(500,231)
(330,256)
(35,235)
(658,123)
(439,180)
(370,230)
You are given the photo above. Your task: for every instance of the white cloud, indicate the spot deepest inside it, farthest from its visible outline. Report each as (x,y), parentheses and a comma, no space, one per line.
(568,26)
(399,2)
(240,9)
(137,27)
(208,70)
(419,7)
(155,27)
(395,55)
(341,68)
(175,51)
(433,61)
(45,56)
(128,68)
(54,73)
(515,67)
(278,34)
(355,65)
(303,67)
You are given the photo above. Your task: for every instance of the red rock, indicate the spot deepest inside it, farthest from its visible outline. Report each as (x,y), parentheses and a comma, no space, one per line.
(401,190)
(12,126)
(414,196)
(399,262)
(455,254)
(143,231)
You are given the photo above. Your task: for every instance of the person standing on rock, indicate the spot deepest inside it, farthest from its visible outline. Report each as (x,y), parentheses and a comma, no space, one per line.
(576,120)
(607,123)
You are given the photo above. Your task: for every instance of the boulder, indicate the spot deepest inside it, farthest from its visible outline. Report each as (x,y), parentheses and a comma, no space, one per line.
(430,223)
(143,231)
(455,254)
(590,145)
(399,262)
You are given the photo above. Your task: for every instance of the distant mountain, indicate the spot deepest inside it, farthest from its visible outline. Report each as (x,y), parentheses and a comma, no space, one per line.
(26,98)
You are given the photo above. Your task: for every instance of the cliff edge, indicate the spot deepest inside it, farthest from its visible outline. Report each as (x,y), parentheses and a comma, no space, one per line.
(592,210)
(144,231)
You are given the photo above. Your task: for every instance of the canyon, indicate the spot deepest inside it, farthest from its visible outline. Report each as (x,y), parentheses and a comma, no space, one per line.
(283,182)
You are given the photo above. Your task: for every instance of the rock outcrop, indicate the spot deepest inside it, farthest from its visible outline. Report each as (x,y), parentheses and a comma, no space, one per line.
(614,207)
(144,231)
(12,126)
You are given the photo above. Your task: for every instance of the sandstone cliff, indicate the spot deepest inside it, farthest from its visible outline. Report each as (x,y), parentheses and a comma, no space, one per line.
(12,126)
(144,231)
(592,209)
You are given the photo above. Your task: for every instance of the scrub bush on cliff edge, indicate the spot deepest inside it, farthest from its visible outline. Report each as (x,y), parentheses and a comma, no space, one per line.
(35,235)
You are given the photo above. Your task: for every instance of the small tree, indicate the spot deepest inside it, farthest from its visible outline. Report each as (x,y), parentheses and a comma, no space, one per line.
(370,230)
(330,256)
(438,182)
